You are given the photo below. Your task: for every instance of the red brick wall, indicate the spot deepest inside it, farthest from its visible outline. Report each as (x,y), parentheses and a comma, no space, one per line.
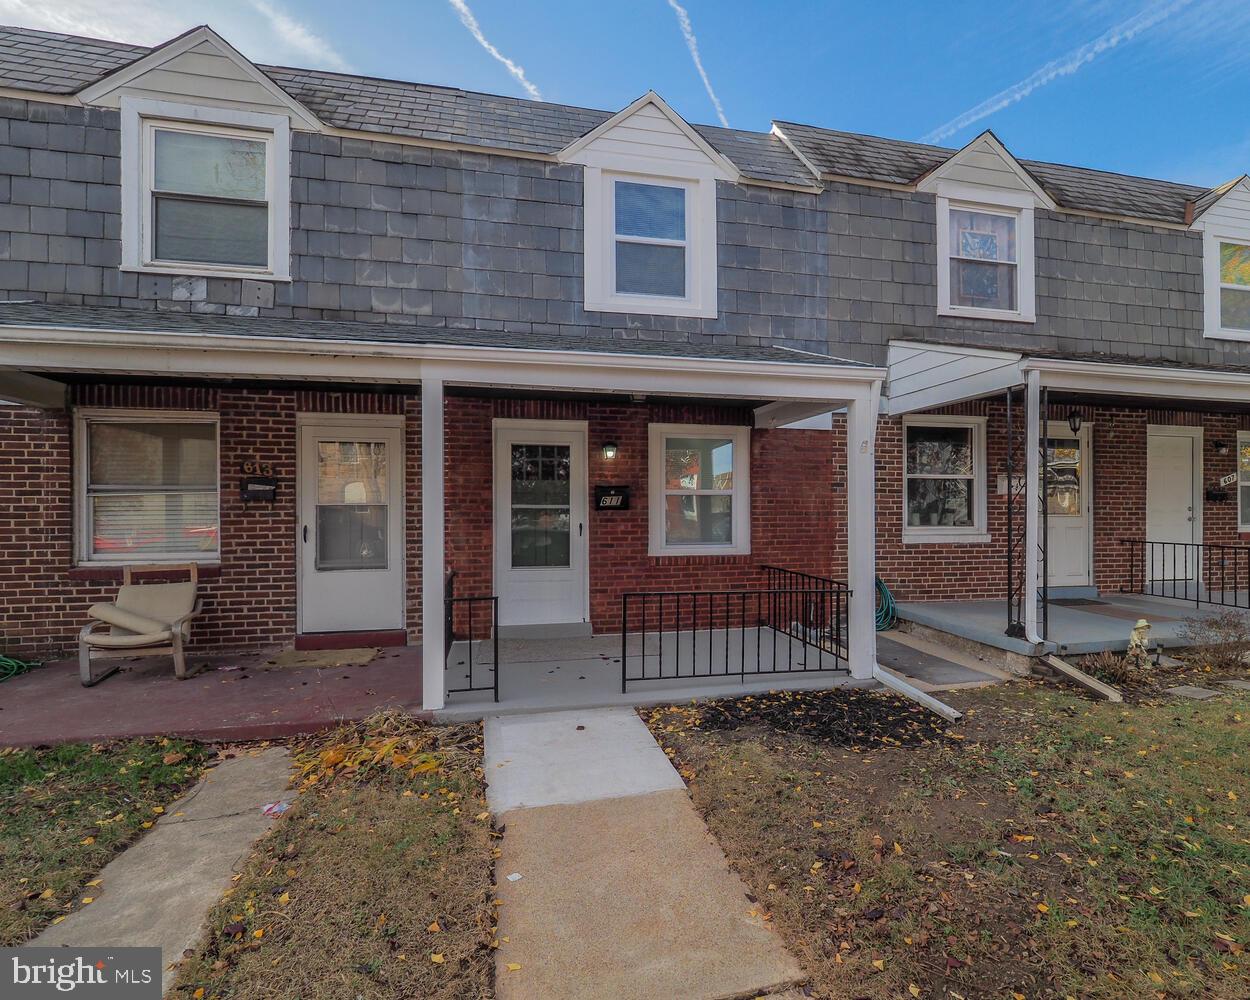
(250,599)
(973,571)
(797,512)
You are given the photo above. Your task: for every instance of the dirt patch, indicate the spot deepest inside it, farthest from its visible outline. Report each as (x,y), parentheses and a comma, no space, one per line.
(324,658)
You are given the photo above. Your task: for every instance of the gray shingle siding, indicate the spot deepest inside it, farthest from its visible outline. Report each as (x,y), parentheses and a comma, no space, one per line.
(401,234)
(410,235)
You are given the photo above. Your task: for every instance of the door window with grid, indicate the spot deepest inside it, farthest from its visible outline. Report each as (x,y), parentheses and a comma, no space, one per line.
(541,498)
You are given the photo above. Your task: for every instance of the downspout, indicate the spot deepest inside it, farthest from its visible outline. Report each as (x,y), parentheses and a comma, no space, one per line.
(896,683)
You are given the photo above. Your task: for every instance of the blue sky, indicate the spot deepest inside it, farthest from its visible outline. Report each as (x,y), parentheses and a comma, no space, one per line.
(1152,87)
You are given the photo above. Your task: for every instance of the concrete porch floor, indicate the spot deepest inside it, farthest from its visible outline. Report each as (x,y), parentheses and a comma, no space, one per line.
(239,697)
(552,674)
(1103,622)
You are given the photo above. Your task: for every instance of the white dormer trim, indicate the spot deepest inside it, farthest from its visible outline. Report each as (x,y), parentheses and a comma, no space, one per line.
(104,89)
(961,168)
(1225,220)
(578,151)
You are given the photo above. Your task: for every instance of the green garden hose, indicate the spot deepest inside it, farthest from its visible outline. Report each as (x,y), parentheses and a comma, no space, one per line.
(10,666)
(887,613)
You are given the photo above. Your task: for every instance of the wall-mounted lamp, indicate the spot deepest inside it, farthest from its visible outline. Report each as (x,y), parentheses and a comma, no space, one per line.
(1221,447)
(1074,421)
(609,451)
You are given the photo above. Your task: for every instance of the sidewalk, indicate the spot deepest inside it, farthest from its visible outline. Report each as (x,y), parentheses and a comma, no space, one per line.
(623,893)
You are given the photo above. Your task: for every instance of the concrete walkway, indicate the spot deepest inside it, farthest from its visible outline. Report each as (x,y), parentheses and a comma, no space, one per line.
(623,893)
(159,891)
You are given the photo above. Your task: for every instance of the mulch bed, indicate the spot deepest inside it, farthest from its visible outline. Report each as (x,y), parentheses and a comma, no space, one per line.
(844,717)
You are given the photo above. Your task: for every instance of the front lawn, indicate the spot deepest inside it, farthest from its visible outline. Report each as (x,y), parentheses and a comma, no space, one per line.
(65,811)
(376,883)
(1046,846)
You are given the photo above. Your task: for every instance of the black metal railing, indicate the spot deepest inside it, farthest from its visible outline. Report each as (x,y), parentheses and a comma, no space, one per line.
(471,619)
(1201,572)
(797,623)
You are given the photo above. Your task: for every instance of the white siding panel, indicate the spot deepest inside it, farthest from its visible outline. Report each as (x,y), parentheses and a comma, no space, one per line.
(648,133)
(923,379)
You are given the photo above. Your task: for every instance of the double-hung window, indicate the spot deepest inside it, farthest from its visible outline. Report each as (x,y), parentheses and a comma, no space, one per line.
(650,244)
(147,486)
(208,193)
(985,259)
(1228,287)
(209,196)
(699,489)
(943,479)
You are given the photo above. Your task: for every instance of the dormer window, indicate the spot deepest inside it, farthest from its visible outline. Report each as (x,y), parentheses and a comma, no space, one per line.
(205,191)
(985,257)
(209,196)
(650,248)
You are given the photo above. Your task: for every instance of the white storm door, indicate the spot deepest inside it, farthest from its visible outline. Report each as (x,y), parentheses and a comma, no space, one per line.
(1171,503)
(1069,516)
(540,522)
(351,527)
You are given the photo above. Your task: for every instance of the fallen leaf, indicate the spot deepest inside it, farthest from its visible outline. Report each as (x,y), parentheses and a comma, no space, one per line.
(1043,908)
(437,959)
(87,841)
(513,967)
(879,964)
(913,989)
(434,928)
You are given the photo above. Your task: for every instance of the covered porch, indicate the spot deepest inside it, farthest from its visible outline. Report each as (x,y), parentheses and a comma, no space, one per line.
(1116,492)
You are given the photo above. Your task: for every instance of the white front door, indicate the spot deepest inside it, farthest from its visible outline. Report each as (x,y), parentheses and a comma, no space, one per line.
(1172,506)
(540,522)
(351,527)
(1069,516)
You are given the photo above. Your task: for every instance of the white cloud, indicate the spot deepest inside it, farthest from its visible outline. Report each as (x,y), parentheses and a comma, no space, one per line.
(692,43)
(517,71)
(279,37)
(1065,65)
(300,37)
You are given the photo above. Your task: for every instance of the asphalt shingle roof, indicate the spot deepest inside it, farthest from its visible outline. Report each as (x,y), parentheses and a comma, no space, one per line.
(41,314)
(54,63)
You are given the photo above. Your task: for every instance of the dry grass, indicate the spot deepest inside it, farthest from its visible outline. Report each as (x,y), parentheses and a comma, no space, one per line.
(377,883)
(1046,847)
(66,810)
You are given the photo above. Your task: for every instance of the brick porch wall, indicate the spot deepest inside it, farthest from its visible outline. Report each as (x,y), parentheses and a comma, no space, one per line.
(250,598)
(798,503)
(977,571)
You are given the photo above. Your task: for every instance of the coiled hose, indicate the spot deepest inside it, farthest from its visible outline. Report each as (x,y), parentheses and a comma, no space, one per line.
(887,613)
(10,666)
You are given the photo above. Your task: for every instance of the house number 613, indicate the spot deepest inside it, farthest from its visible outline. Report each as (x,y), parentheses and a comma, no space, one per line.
(258,468)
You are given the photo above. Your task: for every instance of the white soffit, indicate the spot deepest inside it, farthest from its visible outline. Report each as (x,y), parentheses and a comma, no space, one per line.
(922,376)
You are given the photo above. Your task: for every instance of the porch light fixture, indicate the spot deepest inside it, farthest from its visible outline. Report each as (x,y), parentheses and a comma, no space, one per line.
(609,451)
(1074,421)
(1221,447)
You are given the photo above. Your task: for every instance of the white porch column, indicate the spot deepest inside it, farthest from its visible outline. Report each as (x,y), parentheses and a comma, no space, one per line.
(1032,502)
(861,534)
(433,559)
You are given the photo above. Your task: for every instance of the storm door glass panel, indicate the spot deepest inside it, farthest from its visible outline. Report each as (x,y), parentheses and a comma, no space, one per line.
(541,498)
(698,486)
(1063,484)
(940,476)
(353,505)
(983,259)
(1243,481)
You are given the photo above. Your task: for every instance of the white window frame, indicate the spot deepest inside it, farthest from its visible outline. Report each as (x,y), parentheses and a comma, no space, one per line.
(740,436)
(1213,317)
(140,120)
(976,532)
(1013,204)
(83,418)
(1243,515)
(600,248)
